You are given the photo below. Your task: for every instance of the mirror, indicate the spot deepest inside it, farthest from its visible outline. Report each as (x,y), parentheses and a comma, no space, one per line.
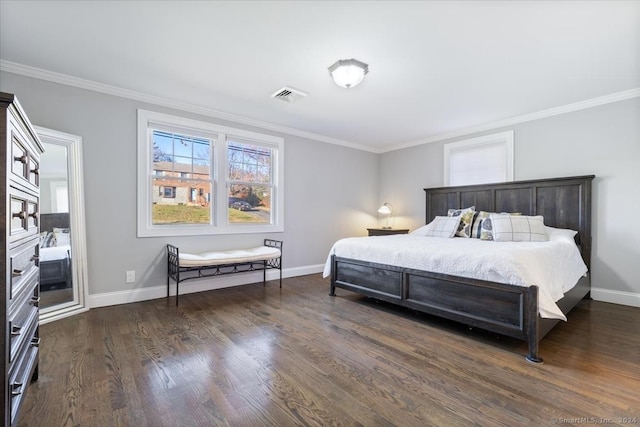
(63,271)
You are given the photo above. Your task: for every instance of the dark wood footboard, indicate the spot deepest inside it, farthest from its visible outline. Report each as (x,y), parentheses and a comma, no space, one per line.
(505,309)
(55,272)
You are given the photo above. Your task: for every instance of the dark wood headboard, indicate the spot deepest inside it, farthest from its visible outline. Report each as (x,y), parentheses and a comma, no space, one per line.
(564,203)
(57,220)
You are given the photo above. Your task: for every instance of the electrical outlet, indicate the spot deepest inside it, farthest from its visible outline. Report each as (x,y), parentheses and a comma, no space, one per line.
(131,276)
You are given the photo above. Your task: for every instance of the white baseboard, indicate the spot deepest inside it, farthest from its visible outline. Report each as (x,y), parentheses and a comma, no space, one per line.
(191,286)
(160,291)
(616,297)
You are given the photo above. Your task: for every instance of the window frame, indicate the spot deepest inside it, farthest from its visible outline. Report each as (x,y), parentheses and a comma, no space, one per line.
(506,139)
(149,120)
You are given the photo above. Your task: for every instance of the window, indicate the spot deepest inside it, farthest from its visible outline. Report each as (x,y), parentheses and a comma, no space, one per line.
(198,178)
(480,160)
(180,161)
(167,192)
(249,182)
(59,197)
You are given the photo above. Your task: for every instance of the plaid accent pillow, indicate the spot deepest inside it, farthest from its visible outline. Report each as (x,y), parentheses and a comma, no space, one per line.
(443,226)
(63,236)
(509,228)
(482,228)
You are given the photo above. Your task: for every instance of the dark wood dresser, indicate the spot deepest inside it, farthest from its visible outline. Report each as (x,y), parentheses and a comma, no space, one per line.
(20,154)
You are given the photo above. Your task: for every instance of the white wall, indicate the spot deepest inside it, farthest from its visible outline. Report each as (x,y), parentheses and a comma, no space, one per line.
(604,141)
(330,191)
(333,192)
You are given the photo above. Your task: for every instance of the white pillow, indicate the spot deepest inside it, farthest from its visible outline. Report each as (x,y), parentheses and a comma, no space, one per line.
(509,228)
(422,231)
(62,236)
(560,233)
(443,226)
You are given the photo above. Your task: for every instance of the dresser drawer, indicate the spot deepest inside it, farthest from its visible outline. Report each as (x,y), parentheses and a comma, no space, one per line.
(23,264)
(23,321)
(25,163)
(24,215)
(20,375)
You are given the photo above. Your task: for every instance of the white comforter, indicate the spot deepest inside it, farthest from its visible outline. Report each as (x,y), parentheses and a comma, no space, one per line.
(554,266)
(54,253)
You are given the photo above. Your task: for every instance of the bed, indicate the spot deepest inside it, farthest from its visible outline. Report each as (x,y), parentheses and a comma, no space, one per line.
(55,251)
(504,308)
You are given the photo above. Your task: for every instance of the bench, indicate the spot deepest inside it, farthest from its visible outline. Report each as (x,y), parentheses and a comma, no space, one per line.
(185,266)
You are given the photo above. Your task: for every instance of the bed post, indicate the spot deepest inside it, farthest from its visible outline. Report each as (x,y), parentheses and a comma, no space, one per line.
(332,292)
(532,311)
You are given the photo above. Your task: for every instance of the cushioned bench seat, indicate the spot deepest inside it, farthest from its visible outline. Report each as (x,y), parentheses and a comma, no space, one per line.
(261,253)
(185,266)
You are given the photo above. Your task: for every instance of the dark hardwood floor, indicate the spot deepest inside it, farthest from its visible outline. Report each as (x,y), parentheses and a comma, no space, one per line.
(254,356)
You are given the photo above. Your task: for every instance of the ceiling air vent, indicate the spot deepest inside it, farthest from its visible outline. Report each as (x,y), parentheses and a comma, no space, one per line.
(288,94)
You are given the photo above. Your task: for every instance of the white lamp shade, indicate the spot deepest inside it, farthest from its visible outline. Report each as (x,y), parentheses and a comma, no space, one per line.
(385,209)
(348,73)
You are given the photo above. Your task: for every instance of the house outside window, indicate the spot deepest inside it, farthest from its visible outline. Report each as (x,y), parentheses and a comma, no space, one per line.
(180,162)
(198,178)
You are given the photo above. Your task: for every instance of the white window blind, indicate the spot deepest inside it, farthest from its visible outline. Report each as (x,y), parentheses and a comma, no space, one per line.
(479,160)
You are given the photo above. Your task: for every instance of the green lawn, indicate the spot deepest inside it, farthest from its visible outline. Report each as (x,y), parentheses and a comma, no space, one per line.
(243,216)
(182,214)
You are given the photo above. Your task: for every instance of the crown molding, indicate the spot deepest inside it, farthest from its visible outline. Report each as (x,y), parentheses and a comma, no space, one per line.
(65,79)
(556,111)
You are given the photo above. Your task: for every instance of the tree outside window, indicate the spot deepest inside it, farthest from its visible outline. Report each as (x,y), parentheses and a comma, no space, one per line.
(249,182)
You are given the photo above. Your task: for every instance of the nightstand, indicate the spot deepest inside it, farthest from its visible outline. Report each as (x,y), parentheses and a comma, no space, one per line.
(386,231)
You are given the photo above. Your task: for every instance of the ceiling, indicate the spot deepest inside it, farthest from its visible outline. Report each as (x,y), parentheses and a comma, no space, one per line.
(435,67)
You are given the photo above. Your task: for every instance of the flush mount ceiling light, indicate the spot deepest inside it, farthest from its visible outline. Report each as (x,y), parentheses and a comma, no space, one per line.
(348,73)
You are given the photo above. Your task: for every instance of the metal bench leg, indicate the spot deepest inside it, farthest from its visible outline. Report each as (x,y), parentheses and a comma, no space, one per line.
(177,292)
